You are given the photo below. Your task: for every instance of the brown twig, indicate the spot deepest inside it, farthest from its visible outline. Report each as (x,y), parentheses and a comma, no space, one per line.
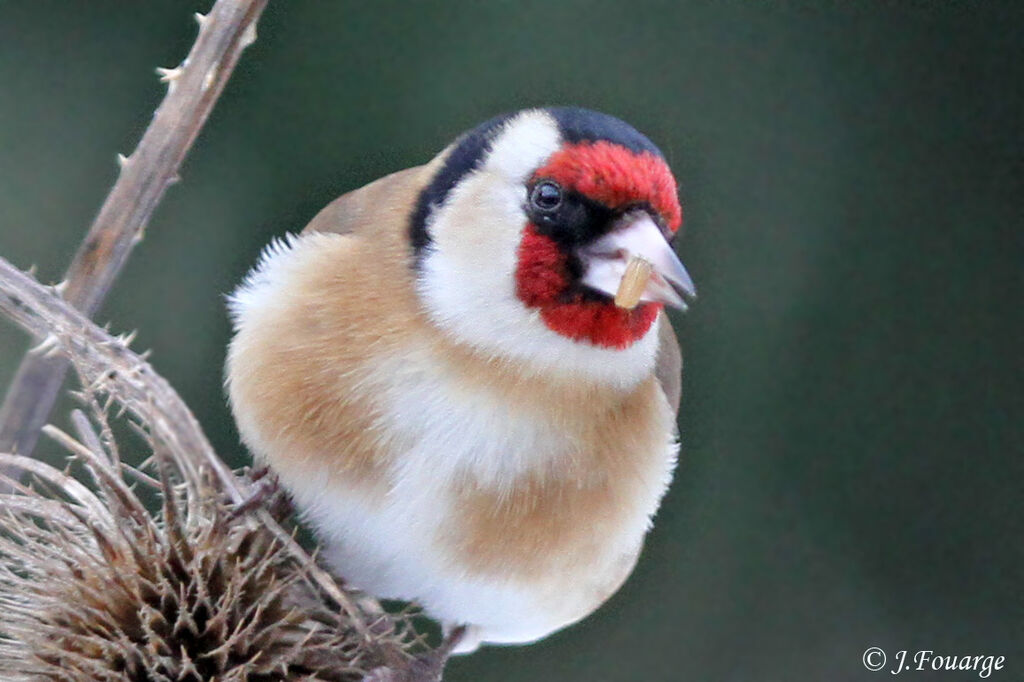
(192,89)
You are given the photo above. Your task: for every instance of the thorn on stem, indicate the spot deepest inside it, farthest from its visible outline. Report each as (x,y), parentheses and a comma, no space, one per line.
(46,347)
(200,19)
(248,36)
(123,161)
(168,75)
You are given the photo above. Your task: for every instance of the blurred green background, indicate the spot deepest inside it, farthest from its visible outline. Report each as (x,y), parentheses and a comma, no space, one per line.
(853,181)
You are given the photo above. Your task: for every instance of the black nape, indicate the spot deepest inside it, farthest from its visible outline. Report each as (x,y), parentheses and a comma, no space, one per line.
(469,151)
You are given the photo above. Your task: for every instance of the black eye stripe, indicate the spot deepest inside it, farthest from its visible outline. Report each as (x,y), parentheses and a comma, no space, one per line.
(575,221)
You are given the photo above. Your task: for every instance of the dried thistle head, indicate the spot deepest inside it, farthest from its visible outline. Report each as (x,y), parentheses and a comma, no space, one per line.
(94,587)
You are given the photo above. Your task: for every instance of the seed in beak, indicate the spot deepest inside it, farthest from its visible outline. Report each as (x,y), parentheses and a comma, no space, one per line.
(634,281)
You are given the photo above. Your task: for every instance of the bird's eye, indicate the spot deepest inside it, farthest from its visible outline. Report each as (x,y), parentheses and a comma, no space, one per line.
(546,196)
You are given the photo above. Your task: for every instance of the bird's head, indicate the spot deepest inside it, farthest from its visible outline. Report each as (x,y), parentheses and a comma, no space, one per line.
(524,232)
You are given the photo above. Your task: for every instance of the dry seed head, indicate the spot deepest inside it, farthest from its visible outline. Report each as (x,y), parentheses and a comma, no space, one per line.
(93,587)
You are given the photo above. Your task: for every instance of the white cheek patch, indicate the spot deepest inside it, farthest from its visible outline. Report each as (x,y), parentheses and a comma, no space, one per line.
(482,219)
(481,224)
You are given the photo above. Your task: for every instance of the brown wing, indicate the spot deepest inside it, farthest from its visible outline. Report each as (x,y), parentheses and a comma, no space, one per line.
(669,365)
(361,209)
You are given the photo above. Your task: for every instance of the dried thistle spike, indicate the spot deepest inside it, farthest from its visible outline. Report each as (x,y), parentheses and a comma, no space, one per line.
(631,288)
(128,337)
(47,346)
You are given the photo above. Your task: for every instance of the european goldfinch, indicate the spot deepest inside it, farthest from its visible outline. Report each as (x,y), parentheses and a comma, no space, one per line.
(437,372)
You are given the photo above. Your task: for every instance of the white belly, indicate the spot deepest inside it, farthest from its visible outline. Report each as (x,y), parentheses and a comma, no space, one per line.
(387,542)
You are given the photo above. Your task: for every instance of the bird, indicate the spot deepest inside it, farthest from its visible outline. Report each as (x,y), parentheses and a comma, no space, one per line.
(437,372)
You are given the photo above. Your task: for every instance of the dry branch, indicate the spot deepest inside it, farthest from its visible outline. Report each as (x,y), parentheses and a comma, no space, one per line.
(192,89)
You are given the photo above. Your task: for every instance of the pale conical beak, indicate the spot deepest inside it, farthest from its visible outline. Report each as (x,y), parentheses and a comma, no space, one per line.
(636,234)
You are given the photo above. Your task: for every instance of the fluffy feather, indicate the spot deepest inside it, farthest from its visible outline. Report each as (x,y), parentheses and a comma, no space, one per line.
(449,445)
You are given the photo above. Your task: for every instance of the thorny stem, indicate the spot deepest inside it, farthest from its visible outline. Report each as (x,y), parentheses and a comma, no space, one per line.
(192,89)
